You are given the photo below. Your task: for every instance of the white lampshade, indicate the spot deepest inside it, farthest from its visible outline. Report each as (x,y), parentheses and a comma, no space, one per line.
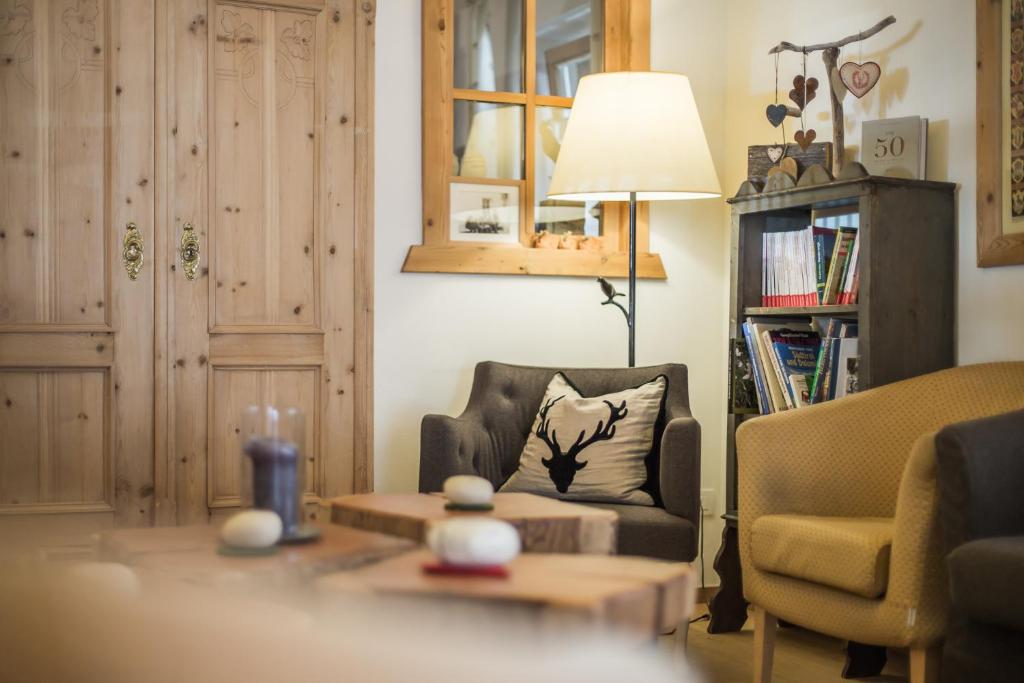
(634,132)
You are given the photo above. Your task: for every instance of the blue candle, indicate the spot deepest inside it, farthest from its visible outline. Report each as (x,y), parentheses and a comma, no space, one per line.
(275,480)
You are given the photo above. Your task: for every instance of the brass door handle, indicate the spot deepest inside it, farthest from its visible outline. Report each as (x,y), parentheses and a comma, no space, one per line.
(132,251)
(189,251)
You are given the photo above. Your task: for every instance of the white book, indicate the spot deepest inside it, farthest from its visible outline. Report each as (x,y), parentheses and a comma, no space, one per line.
(787,250)
(897,148)
(801,390)
(765,292)
(780,375)
(847,350)
(810,274)
(773,259)
(851,270)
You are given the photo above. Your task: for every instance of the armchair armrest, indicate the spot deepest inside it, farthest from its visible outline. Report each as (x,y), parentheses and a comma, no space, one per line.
(679,471)
(917,574)
(447,447)
(980,476)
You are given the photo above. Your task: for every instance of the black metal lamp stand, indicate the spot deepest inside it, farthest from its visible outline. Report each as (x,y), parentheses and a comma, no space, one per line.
(609,290)
(631,318)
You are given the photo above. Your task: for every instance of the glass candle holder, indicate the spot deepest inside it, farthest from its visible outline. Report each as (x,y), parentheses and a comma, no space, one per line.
(273,440)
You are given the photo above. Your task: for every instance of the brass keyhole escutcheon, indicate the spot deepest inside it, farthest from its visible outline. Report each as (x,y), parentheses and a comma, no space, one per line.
(189,251)
(132,251)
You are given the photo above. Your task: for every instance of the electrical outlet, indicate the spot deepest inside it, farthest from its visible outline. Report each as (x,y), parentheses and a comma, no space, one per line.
(707,501)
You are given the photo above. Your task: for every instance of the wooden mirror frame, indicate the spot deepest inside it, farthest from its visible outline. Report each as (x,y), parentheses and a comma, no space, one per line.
(627,25)
(995,246)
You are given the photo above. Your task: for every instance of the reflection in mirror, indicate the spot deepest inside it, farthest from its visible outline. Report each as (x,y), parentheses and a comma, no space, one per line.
(569,44)
(489,45)
(488,140)
(557,216)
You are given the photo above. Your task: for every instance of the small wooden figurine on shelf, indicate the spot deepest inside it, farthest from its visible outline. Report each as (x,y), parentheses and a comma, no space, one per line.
(546,240)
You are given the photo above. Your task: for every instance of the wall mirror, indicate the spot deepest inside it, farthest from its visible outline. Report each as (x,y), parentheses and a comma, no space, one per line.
(498,81)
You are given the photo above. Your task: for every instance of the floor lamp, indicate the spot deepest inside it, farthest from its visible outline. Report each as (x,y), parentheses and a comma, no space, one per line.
(634,136)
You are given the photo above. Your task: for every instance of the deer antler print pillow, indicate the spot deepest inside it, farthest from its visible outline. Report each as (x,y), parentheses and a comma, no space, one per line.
(590,449)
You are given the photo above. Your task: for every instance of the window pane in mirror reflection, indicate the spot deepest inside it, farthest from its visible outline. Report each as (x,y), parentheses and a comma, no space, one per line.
(569,44)
(489,45)
(557,216)
(488,140)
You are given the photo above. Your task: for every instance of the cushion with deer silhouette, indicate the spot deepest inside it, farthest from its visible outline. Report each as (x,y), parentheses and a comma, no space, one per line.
(591,449)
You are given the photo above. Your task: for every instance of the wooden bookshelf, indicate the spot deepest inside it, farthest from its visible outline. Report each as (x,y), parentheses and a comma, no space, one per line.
(905,309)
(907,296)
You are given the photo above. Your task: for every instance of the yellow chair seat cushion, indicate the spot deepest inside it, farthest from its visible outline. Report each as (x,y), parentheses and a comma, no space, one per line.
(848,553)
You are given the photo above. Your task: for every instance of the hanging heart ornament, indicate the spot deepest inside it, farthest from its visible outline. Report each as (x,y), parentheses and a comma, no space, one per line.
(800,88)
(776,114)
(775,153)
(860,78)
(804,139)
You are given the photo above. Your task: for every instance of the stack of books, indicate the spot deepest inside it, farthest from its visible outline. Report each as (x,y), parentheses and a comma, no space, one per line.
(800,362)
(815,266)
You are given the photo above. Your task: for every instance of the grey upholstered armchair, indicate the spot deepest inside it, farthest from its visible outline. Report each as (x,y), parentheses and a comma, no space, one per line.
(980,474)
(488,438)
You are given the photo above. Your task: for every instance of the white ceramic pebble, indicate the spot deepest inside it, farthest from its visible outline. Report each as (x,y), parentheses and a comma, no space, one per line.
(252,529)
(467,489)
(474,541)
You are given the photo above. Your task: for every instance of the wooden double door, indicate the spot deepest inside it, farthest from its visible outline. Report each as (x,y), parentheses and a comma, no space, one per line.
(184,231)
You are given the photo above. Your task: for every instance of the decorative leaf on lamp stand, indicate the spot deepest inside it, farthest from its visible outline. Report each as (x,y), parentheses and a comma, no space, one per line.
(609,291)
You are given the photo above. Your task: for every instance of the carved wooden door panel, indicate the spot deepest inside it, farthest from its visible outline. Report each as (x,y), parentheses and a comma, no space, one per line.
(76,330)
(257,127)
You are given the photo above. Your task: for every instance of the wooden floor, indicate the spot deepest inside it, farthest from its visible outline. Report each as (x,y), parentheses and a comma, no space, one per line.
(800,656)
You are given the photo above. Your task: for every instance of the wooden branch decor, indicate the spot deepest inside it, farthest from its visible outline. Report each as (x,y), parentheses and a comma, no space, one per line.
(837,87)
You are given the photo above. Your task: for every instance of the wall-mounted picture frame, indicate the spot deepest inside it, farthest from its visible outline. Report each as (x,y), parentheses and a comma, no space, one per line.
(1000,142)
(484,213)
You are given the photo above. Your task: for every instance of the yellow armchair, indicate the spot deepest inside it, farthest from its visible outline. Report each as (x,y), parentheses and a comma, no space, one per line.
(837,511)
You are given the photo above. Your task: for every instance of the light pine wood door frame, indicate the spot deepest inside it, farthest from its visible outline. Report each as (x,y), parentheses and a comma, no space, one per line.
(281,199)
(76,333)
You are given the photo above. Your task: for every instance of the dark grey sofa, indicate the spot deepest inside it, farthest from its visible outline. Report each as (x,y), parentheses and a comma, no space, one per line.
(981,511)
(488,438)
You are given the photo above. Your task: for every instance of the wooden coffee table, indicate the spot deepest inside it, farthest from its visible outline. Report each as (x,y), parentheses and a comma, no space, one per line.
(544,524)
(190,553)
(648,596)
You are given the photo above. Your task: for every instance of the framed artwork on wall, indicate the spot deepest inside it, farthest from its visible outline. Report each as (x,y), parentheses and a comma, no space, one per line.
(1000,144)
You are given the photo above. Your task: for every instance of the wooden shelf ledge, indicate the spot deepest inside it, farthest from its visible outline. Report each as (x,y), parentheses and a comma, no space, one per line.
(831,310)
(487,259)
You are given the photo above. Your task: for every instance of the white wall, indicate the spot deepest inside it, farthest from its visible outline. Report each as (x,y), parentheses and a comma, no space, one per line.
(432,329)
(928,64)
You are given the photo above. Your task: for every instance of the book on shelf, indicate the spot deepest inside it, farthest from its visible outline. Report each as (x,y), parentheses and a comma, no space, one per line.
(808,267)
(837,333)
(847,352)
(772,391)
(851,272)
(824,242)
(763,404)
(897,148)
(792,353)
(796,362)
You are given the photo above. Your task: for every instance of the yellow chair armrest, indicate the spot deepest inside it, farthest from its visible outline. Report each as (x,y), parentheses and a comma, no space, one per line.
(917,572)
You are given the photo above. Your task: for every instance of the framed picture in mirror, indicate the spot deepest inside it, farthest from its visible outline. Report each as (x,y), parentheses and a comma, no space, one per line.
(485,213)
